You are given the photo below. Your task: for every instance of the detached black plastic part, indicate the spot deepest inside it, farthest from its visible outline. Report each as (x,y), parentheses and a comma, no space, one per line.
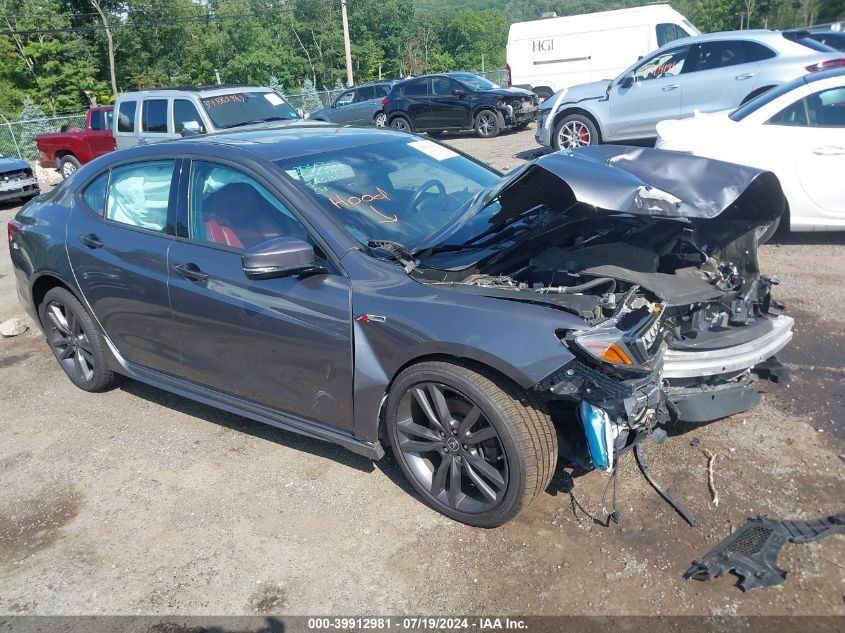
(752,550)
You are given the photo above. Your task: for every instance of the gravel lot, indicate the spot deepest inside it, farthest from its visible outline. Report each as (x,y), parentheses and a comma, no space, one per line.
(137,501)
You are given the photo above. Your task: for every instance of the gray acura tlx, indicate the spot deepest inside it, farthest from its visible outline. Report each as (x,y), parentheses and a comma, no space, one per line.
(366,287)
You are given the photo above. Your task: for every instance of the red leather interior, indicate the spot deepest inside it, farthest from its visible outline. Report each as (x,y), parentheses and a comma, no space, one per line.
(220,234)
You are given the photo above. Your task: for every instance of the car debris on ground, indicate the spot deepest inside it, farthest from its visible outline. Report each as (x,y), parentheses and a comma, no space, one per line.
(752,551)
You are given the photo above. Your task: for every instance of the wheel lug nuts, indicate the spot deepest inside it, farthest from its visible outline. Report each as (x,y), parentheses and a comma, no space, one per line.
(458,458)
(466,448)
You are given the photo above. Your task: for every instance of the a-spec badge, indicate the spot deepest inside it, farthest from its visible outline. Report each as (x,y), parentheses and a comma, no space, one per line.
(371,318)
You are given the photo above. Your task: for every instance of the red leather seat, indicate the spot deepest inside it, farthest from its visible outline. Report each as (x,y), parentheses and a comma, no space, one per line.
(220,234)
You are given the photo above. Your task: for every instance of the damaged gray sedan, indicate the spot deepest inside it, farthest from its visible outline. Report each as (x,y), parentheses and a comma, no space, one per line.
(364,286)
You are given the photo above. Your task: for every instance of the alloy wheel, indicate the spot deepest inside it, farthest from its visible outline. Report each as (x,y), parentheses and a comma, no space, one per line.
(451,448)
(68,168)
(574,134)
(381,120)
(401,125)
(69,341)
(486,123)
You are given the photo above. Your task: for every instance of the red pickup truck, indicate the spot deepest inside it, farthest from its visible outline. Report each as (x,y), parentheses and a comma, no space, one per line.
(68,150)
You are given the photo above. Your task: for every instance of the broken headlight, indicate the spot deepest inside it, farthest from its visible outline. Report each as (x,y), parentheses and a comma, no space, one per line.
(632,339)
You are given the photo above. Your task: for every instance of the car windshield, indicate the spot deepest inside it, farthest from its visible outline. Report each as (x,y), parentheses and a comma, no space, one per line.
(767,97)
(404,190)
(474,81)
(241,108)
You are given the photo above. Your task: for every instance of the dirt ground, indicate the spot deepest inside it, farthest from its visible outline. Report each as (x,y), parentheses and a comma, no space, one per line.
(139,502)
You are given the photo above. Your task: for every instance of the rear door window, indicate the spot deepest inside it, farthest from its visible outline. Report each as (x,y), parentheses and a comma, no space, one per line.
(154,116)
(365,94)
(714,55)
(416,88)
(139,194)
(126,116)
(95,194)
(97,120)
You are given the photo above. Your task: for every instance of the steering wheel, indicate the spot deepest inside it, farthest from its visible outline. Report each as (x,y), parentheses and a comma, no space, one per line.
(428,184)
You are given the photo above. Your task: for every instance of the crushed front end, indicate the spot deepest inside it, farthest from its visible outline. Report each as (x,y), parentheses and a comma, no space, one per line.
(657,253)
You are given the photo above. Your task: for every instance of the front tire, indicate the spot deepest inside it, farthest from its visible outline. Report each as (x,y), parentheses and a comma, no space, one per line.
(575,130)
(487,124)
(75,341)
(475,447)
(68,166)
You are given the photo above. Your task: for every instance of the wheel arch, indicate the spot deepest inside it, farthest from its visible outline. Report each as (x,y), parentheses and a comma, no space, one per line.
(44,284)
(497,370)
(565,112)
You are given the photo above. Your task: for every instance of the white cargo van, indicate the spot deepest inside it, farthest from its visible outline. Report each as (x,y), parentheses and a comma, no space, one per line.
(553,53)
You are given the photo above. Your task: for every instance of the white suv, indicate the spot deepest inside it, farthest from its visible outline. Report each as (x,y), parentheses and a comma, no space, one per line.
(704,73)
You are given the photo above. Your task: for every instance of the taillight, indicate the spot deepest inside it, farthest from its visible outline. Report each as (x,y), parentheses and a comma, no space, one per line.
(826,65)
(14,228)
(510,77)
(384,102)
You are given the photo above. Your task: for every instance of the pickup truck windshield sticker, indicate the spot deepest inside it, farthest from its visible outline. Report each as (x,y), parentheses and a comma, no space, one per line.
(222,100)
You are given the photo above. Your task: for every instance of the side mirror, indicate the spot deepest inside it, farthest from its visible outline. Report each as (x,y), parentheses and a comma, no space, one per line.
(281,257)
(627,82)
(459,92)
(191,128)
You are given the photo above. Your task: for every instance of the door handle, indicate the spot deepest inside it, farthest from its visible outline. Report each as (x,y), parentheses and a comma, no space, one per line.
(670,87)
(744,76)
(190,271)
(91,241)
(829,150)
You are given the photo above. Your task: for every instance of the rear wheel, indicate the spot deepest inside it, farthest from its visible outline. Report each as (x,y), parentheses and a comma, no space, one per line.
(476,448)
(75,341)
(380,120)
(401,124)
(487,124)
(68,165)
(574,130)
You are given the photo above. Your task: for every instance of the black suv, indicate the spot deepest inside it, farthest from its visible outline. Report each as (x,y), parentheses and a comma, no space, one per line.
(458,101)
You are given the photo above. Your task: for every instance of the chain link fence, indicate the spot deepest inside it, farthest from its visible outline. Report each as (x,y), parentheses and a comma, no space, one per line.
(17,138)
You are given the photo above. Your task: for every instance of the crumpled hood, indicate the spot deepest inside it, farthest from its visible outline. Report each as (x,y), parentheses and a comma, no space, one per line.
(12,164)
(592,90)
(660,184)
(509,92)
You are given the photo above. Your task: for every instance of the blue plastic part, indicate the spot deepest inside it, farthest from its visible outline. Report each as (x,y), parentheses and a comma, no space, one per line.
(596,422)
